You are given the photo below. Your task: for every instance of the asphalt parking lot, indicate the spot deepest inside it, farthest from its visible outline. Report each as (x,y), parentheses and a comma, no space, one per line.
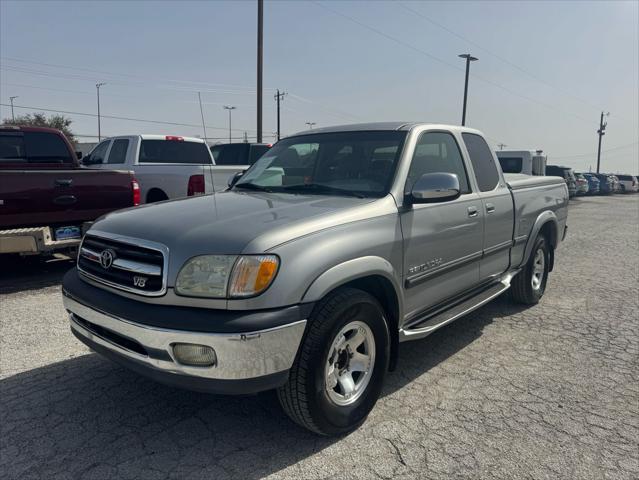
(546,392)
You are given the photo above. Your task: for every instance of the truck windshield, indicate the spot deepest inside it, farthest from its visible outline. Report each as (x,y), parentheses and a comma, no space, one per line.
(344,163)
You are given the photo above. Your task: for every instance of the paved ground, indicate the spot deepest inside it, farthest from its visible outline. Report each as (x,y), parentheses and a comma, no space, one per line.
(548,392)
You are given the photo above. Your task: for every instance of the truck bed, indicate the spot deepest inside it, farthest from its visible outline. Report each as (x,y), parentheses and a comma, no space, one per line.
(531,196)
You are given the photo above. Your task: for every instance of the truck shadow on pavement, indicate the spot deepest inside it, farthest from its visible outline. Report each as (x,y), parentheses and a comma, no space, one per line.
(29,273)
(86,417)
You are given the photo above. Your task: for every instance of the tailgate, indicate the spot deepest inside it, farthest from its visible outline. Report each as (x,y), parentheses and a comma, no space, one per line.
(60,197)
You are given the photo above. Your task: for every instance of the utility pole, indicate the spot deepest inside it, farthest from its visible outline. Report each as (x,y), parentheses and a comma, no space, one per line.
(310,125)
(601,132)
(469,58)
(260,59)
(199,97)
(97,87)
(245,137)
(279,96)
(501,146)
(13,115)
(230,108)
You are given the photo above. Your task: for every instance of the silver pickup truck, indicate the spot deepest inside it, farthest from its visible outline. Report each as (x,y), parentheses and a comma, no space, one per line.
(317,262)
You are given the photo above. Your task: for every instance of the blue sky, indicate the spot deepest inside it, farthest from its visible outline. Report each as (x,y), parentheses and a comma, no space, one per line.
(545,69)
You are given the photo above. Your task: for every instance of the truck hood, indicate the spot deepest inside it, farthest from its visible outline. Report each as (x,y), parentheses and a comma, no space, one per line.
(234,222)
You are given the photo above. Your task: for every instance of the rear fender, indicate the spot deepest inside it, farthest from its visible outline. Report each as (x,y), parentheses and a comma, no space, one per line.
(547,217)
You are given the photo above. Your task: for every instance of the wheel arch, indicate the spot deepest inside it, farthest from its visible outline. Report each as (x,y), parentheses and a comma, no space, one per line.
(373,275)
(546,225)
(156,194)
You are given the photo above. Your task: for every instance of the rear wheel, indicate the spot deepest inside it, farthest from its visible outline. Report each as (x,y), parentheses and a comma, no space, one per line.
(339,371)
(529,285)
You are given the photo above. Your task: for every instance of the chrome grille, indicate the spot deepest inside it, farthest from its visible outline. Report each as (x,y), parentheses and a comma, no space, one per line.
(128,264)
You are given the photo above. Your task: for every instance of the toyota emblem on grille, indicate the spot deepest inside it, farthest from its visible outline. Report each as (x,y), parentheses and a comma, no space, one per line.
(106,258)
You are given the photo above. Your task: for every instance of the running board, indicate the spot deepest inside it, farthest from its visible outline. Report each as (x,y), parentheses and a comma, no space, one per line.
(429,325)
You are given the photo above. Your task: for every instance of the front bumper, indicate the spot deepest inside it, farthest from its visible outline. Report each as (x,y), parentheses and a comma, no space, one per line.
(247,362)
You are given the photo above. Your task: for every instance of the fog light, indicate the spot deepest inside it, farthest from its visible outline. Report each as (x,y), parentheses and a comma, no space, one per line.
(194,355)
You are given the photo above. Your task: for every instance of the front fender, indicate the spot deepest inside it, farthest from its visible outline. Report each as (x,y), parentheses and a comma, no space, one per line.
(352,270)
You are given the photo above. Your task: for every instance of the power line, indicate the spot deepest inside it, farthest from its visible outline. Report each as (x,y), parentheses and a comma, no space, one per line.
(576,155)
(128,75)
(332,111)
(499,57)
(114,117)
(444,62)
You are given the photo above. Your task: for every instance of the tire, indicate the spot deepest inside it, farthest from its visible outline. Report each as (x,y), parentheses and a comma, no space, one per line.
(529,285)
(306,397)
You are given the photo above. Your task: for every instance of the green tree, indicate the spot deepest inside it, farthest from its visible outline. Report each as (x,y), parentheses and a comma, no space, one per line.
(40,120)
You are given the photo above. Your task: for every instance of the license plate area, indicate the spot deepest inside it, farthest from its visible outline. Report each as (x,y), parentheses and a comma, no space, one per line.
(68,232)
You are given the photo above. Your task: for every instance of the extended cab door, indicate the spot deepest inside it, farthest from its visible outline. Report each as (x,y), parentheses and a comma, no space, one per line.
(497,204)
(442,241)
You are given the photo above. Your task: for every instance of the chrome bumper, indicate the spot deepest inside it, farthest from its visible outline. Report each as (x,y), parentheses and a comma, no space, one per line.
(240,356)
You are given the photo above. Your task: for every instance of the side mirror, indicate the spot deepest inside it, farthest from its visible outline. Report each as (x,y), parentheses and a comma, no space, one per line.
(235,177)
(435,187)
(78,155)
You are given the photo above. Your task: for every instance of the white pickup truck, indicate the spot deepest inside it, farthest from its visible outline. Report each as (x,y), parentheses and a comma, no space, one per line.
(166,166)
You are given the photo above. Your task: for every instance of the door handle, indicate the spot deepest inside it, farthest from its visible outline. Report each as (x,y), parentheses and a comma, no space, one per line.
(490,208)
(63,182)
(472,211)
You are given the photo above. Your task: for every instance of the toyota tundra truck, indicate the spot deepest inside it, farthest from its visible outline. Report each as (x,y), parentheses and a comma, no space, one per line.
(47,199)
(308,273)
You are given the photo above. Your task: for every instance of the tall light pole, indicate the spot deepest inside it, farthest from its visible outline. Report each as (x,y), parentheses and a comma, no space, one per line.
(13,115)
(601,132)
(469,58)
(260,58)
(199,97)
(97,87)
(310,125)
(230,108)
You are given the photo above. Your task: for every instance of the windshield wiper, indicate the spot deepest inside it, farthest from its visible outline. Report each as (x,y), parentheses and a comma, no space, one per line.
(320,188)
(252,186)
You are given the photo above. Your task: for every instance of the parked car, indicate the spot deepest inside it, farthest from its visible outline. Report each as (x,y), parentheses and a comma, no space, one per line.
(593,183)
(567,174)
(582,184)
(529,162)
(628,183)
(238,153)
(616,186)
(47,199)
(606,183)
(310,270)
(167,166)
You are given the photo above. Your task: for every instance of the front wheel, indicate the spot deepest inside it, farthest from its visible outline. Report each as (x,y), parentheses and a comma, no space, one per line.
(530,284)
(339,371)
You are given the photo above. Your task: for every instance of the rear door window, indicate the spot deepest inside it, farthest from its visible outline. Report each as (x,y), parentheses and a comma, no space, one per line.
(174,151)
(117,154)
(483,163)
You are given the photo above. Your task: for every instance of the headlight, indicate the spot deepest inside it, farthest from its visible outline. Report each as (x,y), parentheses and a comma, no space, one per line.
(252,275)
(226,276)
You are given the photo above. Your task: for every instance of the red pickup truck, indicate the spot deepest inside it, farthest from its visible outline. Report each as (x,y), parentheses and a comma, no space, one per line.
(47,199)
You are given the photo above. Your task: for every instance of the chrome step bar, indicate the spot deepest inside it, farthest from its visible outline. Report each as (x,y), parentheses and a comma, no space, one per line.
(427,327)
